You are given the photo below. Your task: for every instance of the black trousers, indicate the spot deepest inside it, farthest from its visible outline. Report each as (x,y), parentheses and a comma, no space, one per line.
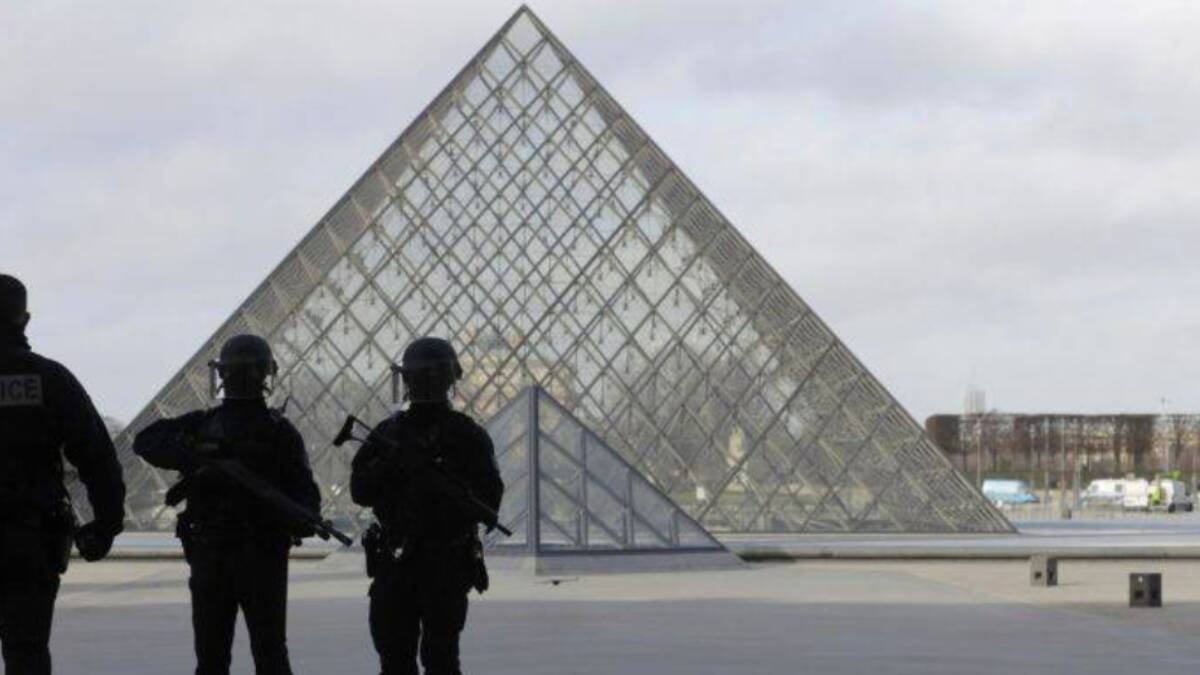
(248,574)
(419,605)
(29,580)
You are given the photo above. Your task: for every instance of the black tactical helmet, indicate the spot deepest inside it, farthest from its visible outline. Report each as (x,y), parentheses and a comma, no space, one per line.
(244,366)
(429,368)
(13,299)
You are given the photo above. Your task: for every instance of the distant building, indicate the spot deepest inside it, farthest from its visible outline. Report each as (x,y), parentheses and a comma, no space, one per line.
(974,402)
(1047,447)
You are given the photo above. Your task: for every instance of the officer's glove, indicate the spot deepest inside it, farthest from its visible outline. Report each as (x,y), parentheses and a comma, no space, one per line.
(94,540)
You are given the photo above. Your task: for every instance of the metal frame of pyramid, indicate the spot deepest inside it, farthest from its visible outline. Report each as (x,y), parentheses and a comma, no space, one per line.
(586,507)
(525,216)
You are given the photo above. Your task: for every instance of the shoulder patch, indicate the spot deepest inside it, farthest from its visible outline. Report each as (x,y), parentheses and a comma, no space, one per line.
(21,390)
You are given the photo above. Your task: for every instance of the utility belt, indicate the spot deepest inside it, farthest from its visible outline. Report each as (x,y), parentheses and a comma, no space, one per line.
(389,547)
(196,532)
(40,506)
(385,545)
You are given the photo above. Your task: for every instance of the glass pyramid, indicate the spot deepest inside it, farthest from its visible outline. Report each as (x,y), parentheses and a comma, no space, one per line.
(525,216)
(584,498)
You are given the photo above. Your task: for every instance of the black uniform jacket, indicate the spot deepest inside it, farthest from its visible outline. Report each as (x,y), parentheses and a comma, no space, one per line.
(411,507)
(45,414)
(246,430)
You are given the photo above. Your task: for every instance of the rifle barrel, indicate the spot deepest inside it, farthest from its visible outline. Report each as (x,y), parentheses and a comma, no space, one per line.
(273,496)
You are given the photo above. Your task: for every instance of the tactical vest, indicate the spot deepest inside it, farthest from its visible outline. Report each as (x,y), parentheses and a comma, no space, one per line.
(220,503)
(415,510)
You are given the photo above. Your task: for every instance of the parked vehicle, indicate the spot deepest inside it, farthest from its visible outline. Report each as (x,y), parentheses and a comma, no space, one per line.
(1137,495)
(1003,492)
(1104,492)
(1162,494)
(1171,496)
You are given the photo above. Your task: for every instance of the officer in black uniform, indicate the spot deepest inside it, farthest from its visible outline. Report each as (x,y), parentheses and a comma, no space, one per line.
(44,414)
(425,554)
(237,548)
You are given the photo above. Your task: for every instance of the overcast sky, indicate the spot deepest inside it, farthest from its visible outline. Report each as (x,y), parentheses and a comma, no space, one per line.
(1004,193)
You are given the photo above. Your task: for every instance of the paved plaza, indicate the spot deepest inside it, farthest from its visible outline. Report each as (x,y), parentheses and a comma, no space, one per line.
(801,617)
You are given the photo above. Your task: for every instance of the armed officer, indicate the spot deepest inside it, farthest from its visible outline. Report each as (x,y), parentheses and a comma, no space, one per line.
(425,554)
(44,414)
(236,546)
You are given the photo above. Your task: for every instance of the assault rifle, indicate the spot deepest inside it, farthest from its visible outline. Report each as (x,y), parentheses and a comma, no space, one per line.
(441,480)
(260,489)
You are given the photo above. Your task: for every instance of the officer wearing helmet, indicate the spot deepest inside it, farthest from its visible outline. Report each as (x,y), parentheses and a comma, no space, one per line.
(426,554)
(45,414)
(237,549)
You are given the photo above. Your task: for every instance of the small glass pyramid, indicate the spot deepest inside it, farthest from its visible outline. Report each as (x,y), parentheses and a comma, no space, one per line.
(585,499)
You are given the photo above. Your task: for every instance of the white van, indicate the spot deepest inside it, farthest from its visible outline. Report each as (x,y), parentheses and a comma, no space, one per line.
(1137,495)
(1104,492)
(1164,494)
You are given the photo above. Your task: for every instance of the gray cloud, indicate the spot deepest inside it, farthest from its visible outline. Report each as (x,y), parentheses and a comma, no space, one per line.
(997,188)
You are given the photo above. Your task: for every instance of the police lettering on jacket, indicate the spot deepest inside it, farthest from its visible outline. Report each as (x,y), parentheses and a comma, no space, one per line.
(20,390)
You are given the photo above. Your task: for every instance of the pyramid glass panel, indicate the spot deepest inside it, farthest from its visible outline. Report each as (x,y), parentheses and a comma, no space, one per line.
(527,218)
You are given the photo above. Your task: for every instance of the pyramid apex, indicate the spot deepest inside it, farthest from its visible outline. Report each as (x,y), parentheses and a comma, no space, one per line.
(533,393)
(524,27)
(526,10)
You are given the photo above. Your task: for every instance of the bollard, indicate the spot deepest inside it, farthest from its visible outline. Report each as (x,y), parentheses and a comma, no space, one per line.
(1145,590)
(1043,571)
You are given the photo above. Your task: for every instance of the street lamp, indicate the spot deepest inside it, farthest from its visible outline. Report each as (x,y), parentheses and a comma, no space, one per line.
(1171,441)
(1030,461)
(979,450)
